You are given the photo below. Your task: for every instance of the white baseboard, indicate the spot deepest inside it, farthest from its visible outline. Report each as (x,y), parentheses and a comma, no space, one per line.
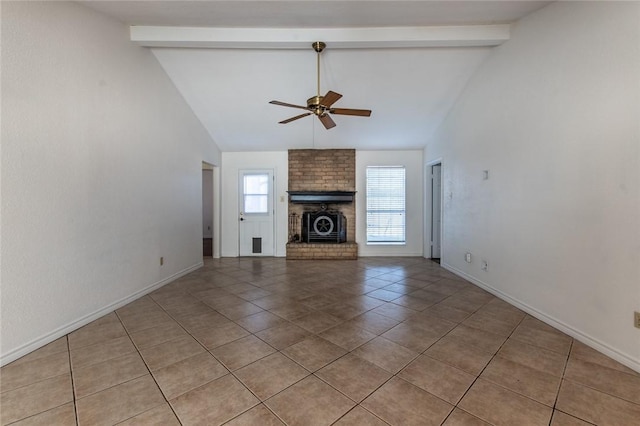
(590,341)
(68,328)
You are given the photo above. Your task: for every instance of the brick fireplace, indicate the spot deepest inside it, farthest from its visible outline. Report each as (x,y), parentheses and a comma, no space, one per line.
(322,172)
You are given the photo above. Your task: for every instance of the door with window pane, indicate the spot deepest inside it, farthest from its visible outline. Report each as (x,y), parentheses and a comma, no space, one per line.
(385,205)
(256,233)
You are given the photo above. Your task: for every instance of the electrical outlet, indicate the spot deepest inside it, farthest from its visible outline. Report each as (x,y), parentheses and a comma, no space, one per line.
(484,265)
(161,261)
(467,257)
(636,319)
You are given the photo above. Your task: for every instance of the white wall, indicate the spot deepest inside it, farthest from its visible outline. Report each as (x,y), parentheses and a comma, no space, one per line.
(413,162)
(101,172)
(232,163)
(554,115)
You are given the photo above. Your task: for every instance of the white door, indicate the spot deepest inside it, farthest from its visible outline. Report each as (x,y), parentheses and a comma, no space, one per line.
(256,213)
(436,210)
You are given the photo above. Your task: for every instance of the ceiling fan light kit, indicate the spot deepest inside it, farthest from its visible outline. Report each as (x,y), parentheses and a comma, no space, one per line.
(321,105)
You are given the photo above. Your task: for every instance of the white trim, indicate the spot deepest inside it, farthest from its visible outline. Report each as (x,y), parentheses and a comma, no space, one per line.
(428,202)
(592,342)
(337,38)
(66,329)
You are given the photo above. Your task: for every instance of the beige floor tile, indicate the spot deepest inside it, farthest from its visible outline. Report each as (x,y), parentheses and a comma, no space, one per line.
(100,352)
(487,322)
(314,353)
(258,415)
(103,375)
(188,374)
(442,380)
(344,311)
(543,338)
(316,322)
(385,295)
(385,354)
(354,376)
(309,402)
(604,379)
(534,357)
(214,403)
(447,313)
(240,311)
(358,417)
(242,352)
(20,374)
(171,352)
(35,398)
(594,406)
(347,336)
(99,331)
(397,312)
(156,335)
(218,336)
(561,419)
(57,346)
(260,321)
(270,375)
(327,309)
(436,326)
(206,320)
(119,403)
(283,336)
(464,356)
(499,406)
(398,402)
(430,297)
(375,323)
(534,384)
(64,415)
(459,417)
(318,301)
(485,340)
(162,415)
(585,353)
(411,302)
(145,320)
(291,311)
(414,338)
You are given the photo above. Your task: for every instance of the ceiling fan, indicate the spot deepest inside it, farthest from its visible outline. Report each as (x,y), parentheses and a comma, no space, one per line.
(321,105)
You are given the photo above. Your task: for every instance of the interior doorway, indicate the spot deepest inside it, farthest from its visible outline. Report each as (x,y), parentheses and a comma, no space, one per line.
(207,210)
(436,211)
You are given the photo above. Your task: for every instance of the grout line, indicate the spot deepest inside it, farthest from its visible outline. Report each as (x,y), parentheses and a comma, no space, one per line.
(73,387)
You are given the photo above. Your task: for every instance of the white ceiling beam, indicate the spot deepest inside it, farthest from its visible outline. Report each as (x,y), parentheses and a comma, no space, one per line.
(336,38)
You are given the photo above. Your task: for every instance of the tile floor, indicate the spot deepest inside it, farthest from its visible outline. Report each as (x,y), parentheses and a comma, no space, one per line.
(376,341)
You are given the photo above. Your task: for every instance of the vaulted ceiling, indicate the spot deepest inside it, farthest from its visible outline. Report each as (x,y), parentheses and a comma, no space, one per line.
(393,57)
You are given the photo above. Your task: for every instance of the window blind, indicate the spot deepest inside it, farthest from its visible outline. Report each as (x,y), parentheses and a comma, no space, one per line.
(386,204)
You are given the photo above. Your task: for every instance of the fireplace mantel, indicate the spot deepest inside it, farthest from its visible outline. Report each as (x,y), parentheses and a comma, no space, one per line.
(321,197)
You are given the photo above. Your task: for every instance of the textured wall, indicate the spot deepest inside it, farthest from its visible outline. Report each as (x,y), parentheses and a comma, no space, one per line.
(101,172)
(554,115)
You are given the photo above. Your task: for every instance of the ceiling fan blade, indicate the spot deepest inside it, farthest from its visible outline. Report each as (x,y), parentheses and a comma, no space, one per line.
(289,120)
(330,98)
(327,121)
(349,111)
(287,105)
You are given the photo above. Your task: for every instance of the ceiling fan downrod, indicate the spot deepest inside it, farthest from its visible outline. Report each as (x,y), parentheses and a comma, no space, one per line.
(318,46)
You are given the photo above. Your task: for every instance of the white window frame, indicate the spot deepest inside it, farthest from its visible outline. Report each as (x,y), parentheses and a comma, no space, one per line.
(390,209)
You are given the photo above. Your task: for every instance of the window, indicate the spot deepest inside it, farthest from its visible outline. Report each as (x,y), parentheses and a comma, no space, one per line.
(256,193)
(386,205)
